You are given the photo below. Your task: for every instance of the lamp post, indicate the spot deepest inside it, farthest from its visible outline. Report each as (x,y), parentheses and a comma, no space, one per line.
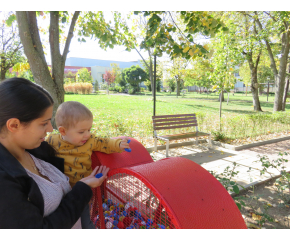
(154,87)
(268,88)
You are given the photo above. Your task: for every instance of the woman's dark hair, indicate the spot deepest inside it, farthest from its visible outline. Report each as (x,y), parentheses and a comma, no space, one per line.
(22,99)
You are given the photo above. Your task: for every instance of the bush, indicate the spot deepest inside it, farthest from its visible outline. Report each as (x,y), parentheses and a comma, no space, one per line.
(78,88)
(133,90)
(112,89)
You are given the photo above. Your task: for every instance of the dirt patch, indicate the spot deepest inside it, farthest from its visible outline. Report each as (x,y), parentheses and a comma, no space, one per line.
(264,209)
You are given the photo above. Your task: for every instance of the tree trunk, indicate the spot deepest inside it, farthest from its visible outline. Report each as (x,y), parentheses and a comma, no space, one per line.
(29,35)
(254,79)
(279,76)
(286,89)
(178,87)
(222,96)
(2,74)
(280,82)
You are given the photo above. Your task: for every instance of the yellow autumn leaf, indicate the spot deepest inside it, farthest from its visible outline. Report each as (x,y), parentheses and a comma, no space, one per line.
(196,50)
(186,49)
(231,69)
(256,217)
(166,33)
(191,52)
(205,46)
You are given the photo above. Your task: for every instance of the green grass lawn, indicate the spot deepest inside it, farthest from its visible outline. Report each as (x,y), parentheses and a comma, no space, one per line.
(131,115)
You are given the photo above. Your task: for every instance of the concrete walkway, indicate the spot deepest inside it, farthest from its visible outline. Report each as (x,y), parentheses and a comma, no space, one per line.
(217,159)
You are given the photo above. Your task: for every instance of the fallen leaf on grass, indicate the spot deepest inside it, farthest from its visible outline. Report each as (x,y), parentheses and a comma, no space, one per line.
(256,217)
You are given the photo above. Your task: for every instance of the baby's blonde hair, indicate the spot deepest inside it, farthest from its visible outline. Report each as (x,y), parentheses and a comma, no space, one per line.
(70,113)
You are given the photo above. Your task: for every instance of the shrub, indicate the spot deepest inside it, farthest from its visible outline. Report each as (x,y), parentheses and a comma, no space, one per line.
(79,88)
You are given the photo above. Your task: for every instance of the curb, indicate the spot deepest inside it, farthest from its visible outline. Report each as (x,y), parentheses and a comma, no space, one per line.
(220,144)
(237,148)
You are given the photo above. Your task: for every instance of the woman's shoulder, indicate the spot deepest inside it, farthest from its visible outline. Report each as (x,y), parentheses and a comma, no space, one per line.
(47,153)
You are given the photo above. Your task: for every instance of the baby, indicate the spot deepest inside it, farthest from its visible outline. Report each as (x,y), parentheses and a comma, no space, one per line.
(75,143)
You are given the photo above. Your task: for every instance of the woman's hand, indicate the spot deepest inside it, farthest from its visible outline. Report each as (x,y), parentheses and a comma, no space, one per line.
(94,182)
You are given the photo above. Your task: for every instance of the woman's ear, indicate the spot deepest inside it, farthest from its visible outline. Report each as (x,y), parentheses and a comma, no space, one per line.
(13,124)
(62,130)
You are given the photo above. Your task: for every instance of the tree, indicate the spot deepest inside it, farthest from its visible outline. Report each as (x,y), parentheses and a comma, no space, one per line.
(159,72)
(199,74)
(177,72)
(245,74)
(163,33)
(10,48)
(117,71)
(171,83)
(134,76)
(83,75)
(109,78)
(71,76)
(88,24)
(274,28)
(242,42)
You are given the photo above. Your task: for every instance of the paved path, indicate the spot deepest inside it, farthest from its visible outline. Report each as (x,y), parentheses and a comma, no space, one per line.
(218,158)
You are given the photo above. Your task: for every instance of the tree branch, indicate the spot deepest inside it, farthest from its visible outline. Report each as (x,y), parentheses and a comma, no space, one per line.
(273,64)
(176,25)
(142,57)
(70,35)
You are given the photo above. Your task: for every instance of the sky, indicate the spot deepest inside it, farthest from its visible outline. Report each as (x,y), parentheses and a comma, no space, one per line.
(90,49)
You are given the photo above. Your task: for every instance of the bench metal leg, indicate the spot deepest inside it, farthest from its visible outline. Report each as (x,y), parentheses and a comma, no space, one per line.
(196,141)
(209,140)
(155,144)
(167,148)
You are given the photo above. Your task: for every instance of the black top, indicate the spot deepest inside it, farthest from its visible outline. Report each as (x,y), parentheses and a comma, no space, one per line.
(21,202)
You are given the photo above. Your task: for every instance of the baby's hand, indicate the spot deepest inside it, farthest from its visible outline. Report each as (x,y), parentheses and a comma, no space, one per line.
(124,144)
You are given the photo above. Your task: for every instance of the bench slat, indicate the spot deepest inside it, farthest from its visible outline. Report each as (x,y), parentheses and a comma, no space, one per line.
(174,123)
(173,119)
(172,127)
(177,115)
(184,135)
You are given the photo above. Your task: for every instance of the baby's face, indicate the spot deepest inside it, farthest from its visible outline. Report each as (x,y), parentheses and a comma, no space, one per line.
(80,133)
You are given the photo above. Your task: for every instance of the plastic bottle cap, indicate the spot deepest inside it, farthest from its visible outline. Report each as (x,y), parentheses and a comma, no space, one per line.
(99,175)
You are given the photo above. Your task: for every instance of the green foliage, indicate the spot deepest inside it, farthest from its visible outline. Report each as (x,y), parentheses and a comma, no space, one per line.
(134,76)
(283,182)
(164,36)
(171,83)
(83,75)
(148,85)
(11,51)
(218,136)
(109,34)
(225,178)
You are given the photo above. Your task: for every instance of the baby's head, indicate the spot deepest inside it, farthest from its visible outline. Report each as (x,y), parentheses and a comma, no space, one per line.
(74,121)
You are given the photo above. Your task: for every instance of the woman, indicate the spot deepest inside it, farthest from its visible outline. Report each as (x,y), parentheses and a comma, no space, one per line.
(34,192)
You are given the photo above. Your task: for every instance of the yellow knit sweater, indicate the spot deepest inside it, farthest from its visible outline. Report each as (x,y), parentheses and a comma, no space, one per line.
(77,160)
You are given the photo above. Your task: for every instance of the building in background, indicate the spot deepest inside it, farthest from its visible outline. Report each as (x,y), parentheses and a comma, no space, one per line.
(98,67)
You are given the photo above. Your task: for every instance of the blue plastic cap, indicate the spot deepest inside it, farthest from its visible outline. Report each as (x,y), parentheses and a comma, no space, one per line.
(129,141)
(99,175)
(128,149)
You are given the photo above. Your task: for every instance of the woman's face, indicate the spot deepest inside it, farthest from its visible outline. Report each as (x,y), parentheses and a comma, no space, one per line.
(30,136)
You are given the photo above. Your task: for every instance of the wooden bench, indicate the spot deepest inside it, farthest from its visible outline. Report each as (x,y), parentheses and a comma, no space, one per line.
(163,122)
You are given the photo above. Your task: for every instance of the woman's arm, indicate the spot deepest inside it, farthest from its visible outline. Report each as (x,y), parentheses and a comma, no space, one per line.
(18,211)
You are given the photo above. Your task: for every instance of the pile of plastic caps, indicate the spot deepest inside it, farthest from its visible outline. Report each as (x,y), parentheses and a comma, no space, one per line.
(119,216)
